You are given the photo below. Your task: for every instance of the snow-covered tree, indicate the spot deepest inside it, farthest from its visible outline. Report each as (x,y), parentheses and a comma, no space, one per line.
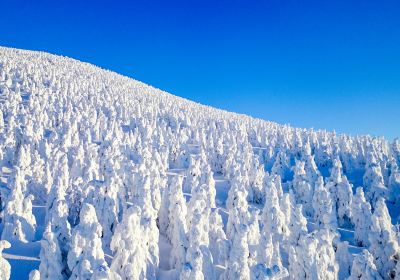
(364,268)
(302,188)
(237,266)
(198,257)
(344,259)
(281,165)
(177,227)
(344,198)
(272,216)
(104,197)
(383,240)
(5,267)
(19,222)
(86,255)
(334,184)
(198,218)
(77,167)
(238,208)
(131,244)
(23,160)
(256,180)
(297,225)
(207,182)
(374,182)
(336,174)
(51,263)
(198,201)
(361,217)
(237,192)
(219,245)
(193,174)
(310,167)
(57,219)
(254,235)
(314,257)
(324,214)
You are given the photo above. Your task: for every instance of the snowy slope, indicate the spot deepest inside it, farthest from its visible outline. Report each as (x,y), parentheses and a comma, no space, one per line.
(104,177)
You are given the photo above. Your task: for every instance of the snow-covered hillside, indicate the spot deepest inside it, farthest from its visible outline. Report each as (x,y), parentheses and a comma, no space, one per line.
(104,177)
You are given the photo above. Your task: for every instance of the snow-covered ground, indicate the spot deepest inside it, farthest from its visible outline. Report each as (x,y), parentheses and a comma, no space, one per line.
(104,177)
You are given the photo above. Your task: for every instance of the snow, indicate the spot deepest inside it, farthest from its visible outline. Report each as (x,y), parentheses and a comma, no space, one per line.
(104,177)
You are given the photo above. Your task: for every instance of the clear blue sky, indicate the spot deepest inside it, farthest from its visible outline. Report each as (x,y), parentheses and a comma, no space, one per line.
(321,64)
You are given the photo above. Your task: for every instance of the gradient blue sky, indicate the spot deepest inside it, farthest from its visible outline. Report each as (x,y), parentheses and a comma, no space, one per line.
(321,64)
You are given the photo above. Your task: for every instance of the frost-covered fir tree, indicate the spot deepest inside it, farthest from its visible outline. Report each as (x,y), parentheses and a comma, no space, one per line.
(219,245)
(19,222)
(193,174)
(269,259)
(344,198)
(265,249)
(177,223)
(5,267)
(163,213)
(324,214)
(337,185)
(237,232)
(273,217)
(361,217)
(198,257)
(23,160)
(60,183)
(344,259)
(297,225)
(237,191)
(302,188)
(314,257)
(149,227)
(104,197)
(286,207)
(78,163)
(383,240)
(57,219)
(374,182)
(130,243)
(256,180)
(86,255)
(310,167)
(207,181)
(198,201)
(364,268)
(51,263)
(254,235)
(237,206)
(237,266)
(281,165)
(335,176)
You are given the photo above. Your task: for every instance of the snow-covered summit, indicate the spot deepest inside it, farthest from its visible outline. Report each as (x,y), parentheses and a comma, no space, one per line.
(104,177)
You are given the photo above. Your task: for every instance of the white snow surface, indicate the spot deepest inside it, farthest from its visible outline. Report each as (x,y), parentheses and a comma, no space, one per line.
(105,177)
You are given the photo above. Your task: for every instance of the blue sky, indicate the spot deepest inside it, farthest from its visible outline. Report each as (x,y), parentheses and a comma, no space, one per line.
(321,64)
